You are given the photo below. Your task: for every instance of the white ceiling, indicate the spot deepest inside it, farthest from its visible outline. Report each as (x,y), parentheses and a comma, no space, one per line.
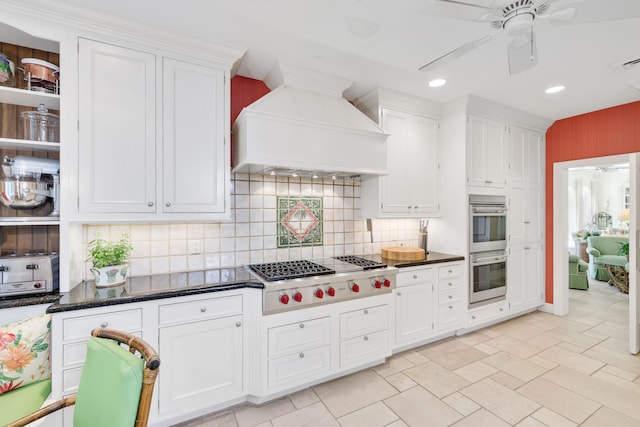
(384,42)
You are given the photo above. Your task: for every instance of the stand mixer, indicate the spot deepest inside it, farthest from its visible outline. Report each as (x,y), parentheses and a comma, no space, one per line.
(23,187)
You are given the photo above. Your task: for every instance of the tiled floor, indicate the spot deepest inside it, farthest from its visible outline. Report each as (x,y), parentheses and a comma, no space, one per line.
(536,370)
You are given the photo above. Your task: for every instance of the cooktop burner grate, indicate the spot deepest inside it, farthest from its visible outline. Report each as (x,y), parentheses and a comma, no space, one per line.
(366,264)
(287,270)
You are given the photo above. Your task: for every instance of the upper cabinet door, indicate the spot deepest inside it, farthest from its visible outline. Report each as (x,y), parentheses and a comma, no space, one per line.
(396,187)
(193,138)
(486,153)
(423,158)
(117,139)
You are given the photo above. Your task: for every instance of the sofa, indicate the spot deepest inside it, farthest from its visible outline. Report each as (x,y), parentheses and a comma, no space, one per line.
(578,273)
(604,250)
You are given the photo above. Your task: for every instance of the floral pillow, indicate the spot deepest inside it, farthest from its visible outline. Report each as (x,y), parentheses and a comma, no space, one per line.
(24,352)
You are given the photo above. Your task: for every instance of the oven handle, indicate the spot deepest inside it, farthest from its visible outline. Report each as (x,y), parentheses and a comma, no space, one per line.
(488,210)
(492,259)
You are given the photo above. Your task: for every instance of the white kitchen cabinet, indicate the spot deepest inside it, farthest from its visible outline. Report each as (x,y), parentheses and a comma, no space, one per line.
(364,335)
(152,135)
(450,301)
(486,314)
(412,187)
(525,277)
(298,352)
(414,306)
(486,153)
(117,130)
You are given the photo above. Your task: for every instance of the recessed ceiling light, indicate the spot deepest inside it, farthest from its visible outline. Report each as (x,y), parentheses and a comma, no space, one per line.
(554,89)
(437,82)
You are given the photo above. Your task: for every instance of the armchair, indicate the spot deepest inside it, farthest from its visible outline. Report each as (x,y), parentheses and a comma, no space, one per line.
(603,250)
(578,273)
(115,385)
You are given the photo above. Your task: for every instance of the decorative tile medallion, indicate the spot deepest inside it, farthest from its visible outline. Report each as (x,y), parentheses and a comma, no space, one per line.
(299,221)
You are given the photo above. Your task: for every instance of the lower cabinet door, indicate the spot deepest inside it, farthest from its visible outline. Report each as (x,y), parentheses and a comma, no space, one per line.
(414,313)
(299,367)
(364,349)
(201,364)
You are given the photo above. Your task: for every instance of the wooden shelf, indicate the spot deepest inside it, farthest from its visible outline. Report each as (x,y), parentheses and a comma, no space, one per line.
(11,95)
(28,145)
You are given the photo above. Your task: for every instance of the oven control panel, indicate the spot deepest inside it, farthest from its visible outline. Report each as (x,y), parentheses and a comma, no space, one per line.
(326,290)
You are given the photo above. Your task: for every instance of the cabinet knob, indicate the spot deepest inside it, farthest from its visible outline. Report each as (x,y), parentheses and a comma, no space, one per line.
(301,325)
(473,317)
(203,309)
(501,309)
(150,204)
(450,284)
(415,207)
(366,311)
(238,324)
(366,338)
(450,271)
(167,204)
(408,207)
(415,276)
(398,293)
(301,355)
(104,324)
(527,222)
(450,307)
(450,296)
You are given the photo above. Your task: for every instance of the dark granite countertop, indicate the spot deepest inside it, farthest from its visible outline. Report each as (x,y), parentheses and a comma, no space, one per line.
(431,258)
(145,288)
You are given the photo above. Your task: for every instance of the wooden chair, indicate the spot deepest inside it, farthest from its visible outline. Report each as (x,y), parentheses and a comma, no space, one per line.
(116,385)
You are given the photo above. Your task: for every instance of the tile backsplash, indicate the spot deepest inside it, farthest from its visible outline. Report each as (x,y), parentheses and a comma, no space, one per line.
(252,234)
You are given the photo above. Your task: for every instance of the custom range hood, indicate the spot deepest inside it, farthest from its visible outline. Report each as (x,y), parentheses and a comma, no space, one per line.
(305,127)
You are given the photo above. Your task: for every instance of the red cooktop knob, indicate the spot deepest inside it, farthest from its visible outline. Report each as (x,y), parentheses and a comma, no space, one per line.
(387,283)
(297,297)
(284,299)
(377,284)
(331,292)
(319,293)
(355,287)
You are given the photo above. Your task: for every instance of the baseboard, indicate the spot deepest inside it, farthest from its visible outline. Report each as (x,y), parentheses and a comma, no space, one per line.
(546,307)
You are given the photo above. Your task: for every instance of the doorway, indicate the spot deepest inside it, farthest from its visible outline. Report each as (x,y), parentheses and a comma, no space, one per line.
(562,231)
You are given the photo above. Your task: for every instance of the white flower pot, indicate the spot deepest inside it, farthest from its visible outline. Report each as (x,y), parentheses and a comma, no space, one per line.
(110,276)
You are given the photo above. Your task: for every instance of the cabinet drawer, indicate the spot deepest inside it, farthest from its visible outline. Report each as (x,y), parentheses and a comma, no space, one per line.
(300,367)
(199,310)
(487,312)
(449,296)
(359,322)
(299,336)
(449,315)
(414,276)
(450,283)
(74,353)
(363,349)
(71,380)
(81,327)
(452,270)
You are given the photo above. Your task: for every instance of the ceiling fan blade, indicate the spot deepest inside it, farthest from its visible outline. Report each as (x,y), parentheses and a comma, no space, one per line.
(589,11)
(457,53)
(455,9)
(522,53)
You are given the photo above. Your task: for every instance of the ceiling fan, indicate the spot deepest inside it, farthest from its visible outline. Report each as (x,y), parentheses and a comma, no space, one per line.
(516,19)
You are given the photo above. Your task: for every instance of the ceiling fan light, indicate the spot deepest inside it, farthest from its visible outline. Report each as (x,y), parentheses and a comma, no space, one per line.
(518,24)
(554,89)
(437,82)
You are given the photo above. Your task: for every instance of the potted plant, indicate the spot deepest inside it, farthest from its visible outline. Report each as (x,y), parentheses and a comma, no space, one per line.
(109,260)
(624,250)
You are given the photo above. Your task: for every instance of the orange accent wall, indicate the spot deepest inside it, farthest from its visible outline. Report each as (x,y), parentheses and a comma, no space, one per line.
(600,133)
(244,91)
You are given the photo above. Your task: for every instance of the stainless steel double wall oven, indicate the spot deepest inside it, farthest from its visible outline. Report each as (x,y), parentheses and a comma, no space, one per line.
(487,247)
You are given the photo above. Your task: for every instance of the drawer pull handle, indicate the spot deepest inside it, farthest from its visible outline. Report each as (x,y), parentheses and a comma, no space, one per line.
(366,311)
(301,355)
(238,324)
(203,309)
(301,325)
(415,276)
(366,338)
(104,324)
